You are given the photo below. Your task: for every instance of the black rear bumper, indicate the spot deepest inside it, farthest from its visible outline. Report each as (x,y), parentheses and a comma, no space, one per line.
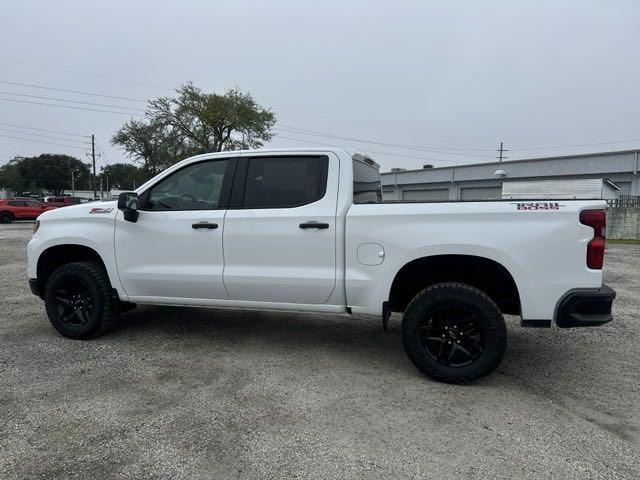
(585,307)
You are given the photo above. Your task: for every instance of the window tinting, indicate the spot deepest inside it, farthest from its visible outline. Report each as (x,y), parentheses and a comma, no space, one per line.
(17,203)
(196,187)
(281,182)
(366,184)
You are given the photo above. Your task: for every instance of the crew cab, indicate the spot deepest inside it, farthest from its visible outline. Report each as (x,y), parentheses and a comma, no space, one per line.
(21,209)
(307,231)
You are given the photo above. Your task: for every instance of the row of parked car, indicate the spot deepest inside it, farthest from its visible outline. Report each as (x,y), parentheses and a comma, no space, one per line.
(27,208)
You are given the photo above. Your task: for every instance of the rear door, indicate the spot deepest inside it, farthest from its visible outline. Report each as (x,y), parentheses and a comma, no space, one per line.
(280,229)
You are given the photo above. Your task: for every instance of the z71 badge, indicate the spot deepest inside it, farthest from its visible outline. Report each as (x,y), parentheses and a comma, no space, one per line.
(100,210)
(538,206)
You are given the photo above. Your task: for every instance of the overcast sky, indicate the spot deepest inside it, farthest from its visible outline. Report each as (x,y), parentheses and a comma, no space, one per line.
(453,78)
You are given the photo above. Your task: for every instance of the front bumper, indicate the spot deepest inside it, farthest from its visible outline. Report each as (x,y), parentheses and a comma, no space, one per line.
(585,307)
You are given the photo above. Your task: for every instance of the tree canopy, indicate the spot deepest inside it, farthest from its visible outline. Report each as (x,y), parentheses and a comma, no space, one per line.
(50,172)
(194,122)
(123,176)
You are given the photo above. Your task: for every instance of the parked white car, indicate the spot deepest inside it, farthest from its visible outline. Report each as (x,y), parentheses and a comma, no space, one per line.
(306,230)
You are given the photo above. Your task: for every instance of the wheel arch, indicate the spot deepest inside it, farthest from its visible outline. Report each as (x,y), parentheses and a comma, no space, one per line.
(8,212)
(55,256)
(484,273)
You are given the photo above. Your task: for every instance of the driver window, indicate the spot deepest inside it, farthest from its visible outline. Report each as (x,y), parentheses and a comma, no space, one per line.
(196,187)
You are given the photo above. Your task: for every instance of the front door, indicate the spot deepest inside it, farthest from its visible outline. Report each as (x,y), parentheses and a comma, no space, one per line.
(174,250)
(280,229)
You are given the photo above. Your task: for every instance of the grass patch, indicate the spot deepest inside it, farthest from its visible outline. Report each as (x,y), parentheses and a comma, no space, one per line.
(623,242)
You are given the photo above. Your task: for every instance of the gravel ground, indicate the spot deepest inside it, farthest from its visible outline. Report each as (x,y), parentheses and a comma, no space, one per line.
(194,393)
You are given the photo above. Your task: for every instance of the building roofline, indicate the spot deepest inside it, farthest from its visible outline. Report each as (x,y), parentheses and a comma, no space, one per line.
(536,159)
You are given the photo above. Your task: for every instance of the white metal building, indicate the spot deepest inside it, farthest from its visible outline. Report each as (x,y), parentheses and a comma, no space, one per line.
(484,181)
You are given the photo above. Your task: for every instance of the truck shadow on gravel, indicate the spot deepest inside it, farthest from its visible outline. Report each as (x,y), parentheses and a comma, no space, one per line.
(533,356)
(558,368)
(360,338)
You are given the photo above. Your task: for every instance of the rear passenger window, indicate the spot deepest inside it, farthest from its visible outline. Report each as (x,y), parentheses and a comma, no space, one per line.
(284,182)
(17,203)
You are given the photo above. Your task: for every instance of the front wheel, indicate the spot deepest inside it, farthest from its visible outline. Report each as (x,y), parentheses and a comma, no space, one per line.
(454,333)
(79,301)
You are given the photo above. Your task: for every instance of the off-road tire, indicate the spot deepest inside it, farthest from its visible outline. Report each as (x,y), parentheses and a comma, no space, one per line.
(104,307)
(438,298)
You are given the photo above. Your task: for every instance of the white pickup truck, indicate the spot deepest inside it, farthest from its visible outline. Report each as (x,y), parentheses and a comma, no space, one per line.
(307,231)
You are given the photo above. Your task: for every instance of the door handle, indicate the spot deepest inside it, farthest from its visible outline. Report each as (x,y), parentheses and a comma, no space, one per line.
(210,226)
(312,224)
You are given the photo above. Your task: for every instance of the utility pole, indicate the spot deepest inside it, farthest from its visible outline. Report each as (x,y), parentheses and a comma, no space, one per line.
(93,156)
(500,151)
(93,159)
(73,183)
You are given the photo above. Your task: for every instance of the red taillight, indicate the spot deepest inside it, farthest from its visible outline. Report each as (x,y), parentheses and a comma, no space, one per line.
(596,219)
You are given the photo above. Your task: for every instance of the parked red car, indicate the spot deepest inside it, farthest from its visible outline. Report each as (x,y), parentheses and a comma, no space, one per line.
(21,209)
(64,201)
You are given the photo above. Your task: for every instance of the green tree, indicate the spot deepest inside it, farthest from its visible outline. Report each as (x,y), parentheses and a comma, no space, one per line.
(123,176)
(52,172)
(10,177)
(194,122)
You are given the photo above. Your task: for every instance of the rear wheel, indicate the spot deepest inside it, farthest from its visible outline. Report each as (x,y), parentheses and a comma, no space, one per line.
(454,333)
(6,217)
(78,300)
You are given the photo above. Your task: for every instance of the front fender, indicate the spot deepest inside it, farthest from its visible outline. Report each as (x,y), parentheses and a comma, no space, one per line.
(95,233)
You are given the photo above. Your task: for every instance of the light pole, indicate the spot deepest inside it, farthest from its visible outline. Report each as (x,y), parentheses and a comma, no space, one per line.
(73,181)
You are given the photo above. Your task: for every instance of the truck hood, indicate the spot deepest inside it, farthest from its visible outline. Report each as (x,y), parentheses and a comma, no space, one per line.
(99,209)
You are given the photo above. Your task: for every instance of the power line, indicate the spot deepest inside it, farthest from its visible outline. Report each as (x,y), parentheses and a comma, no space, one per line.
(42,141)
(71,101)
(38,135)
(45,130)
(30,85)
(424,148)
(85,74)
(450,151)
(393,154)
(70,106)
(578,145)
(104,155)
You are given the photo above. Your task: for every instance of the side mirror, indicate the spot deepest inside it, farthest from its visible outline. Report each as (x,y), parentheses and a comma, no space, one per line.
(128,202)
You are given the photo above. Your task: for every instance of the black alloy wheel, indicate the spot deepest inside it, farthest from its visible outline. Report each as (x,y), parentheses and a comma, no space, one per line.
(451,336)
(453,332)
(74,303)
(79,300)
